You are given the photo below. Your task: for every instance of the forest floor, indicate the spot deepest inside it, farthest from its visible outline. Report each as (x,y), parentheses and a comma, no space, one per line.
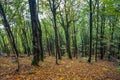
(76,69)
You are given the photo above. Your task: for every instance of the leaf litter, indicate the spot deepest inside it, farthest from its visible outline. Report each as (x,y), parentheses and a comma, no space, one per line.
(76,69)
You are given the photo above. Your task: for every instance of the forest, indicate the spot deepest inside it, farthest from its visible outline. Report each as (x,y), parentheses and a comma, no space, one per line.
(59,39)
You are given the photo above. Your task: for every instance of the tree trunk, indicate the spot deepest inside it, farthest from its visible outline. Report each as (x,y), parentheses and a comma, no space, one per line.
(68,43)
(9,33)
(102,34)
(36,32)
(67,33)
(75,42)
(53,7)
(97,1)
(56,37)
(90,48)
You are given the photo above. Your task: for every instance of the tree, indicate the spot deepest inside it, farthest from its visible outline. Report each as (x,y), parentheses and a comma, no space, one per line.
(53,7)
(90,48)
(97,25)
(9,33)
(36,32)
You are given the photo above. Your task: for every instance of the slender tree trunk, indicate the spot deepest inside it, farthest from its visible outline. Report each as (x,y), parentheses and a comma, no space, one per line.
(40,40)
(53,7)
(10,35)
(40,34)
(47,40)
(101,43)
(75,43)
(82,45)
(67,33)
(56,37)
(68,44)
(26,40)
(97,30)
(102,31)
(66,30)
(90,3)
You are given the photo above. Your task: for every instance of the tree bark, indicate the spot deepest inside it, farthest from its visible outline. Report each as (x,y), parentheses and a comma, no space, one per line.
(90,48)
(97,1)
(36,32)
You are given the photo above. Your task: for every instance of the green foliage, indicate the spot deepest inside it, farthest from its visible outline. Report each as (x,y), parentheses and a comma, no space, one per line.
(118,69)
(18,16)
